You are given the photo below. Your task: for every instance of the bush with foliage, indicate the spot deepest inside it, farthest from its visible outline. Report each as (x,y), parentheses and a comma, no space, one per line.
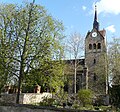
(85,96)
(47,102)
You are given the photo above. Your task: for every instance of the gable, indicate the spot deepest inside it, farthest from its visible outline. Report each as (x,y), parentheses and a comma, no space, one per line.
(100,34)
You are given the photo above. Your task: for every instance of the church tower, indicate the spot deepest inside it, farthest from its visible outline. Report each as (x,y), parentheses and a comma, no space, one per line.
(95,57)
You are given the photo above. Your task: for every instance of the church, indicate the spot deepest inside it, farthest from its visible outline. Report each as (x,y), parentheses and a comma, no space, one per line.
(92,70)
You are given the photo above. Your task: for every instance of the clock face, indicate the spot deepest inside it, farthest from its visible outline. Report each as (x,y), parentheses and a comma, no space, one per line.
(94,34)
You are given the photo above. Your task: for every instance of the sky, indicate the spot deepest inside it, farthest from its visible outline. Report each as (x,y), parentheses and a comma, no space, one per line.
(77,15)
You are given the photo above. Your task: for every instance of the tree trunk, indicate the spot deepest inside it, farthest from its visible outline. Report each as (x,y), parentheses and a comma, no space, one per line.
(75,78)
(19,85)
(18,93)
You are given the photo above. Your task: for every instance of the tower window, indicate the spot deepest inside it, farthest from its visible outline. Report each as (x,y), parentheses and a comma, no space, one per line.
(94,77)
(90,46)
(94,46)
(99,46)
(94,61)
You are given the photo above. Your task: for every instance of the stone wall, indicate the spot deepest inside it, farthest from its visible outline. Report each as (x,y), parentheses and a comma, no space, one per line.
(27,108)
(22,109)
(35,97)
(10,98)
(25,98)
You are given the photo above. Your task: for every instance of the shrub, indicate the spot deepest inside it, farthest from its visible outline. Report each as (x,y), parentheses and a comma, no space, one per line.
(85,96)
(47,102)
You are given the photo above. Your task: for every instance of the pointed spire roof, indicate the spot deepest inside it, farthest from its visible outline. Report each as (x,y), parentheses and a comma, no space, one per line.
(95,23)
(95,18)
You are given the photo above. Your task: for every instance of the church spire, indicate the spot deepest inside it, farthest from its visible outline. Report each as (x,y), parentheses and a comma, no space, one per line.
(95,23)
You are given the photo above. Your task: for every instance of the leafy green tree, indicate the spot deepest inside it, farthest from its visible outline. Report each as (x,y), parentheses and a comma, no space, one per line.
(6,48)
(85,96)
(50,76)
(3,76)
(33,38)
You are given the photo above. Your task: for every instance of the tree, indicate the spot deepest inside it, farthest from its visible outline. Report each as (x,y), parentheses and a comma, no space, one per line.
(33,38)
(75,48)
(115,95)
(6,48)
(3,76)
(100,76)
(85,96)
(114,61)
(114,71)
(50,77)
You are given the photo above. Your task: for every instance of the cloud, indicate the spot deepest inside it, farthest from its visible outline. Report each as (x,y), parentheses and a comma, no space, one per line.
(111,28)
(109,6)
(84,8)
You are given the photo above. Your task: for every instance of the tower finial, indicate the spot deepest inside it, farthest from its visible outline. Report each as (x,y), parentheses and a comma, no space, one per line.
(95,23)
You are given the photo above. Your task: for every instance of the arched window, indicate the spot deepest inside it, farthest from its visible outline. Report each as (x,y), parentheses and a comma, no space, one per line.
(99,46)
(90,46)
(94,46)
